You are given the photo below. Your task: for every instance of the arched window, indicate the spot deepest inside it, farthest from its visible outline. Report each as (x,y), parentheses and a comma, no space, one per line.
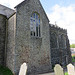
(53,40)
(62,41)
(35,24)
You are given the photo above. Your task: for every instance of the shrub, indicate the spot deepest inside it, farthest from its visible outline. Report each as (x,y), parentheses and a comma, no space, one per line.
(72,46)
(73,58)
(5,71)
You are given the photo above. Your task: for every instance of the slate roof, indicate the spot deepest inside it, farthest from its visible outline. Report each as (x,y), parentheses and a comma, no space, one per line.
(6,11)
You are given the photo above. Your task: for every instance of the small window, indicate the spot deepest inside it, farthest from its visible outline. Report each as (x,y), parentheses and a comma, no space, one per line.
(35,25)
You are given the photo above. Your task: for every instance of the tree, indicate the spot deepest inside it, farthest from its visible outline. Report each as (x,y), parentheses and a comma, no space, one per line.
(72,46)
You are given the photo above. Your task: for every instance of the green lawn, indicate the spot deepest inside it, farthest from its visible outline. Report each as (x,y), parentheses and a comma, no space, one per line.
(66,73)
(5,71)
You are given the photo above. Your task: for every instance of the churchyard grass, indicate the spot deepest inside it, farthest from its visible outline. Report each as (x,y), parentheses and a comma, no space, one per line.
(66,73)
(5,71)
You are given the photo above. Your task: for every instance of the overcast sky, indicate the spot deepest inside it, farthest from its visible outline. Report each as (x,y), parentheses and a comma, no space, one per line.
(61,11)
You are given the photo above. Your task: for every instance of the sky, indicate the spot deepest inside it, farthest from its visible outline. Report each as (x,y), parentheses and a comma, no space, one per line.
(60,11)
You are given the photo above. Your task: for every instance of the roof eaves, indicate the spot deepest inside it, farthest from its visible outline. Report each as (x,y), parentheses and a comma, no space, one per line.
(6,11)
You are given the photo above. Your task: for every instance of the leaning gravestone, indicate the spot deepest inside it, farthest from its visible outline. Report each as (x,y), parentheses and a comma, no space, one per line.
(23,69)
(58,70)
(71,69)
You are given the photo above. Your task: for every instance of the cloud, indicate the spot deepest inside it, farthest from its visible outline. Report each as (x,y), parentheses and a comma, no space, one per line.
(10,3)
(65,18)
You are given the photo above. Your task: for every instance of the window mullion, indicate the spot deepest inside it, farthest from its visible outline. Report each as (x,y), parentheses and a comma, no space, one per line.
(35,25)
(34,28)
(38,28)
(31,25)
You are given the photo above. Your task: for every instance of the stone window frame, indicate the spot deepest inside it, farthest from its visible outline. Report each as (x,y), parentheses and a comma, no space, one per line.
(35,25)
(62,41)
(56,40)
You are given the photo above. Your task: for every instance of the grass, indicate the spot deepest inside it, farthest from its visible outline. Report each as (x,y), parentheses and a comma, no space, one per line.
(5,71)
(66,73)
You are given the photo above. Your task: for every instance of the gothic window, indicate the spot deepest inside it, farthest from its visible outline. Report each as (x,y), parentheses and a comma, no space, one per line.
(53,40)
(62,41)
(35,24)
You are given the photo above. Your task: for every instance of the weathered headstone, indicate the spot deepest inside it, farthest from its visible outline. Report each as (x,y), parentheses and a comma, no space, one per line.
(23,69)
(58,70)
(71,69)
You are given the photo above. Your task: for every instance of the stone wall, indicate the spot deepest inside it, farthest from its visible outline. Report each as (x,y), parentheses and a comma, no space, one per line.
(60,50)
(35,51)
(3,20)
(11,29)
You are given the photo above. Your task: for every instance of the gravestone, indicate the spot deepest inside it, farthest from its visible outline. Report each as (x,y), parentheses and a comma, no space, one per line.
(23,69)
(71,69)
(58,70)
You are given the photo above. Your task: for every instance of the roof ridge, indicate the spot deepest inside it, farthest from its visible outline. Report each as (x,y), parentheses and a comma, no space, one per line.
(6,7)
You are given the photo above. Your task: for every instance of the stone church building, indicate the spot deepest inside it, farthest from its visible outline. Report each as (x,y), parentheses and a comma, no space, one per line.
(27,36)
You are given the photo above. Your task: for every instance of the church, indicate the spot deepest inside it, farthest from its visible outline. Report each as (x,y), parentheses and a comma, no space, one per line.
(26,35)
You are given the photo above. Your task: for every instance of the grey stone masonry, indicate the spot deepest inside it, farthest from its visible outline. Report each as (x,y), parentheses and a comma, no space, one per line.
(3,20)
(10,49)
(27,37)
(60,48)
(35,51)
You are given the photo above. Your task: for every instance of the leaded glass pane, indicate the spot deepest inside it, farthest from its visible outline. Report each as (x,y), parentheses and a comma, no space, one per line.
(35,24)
